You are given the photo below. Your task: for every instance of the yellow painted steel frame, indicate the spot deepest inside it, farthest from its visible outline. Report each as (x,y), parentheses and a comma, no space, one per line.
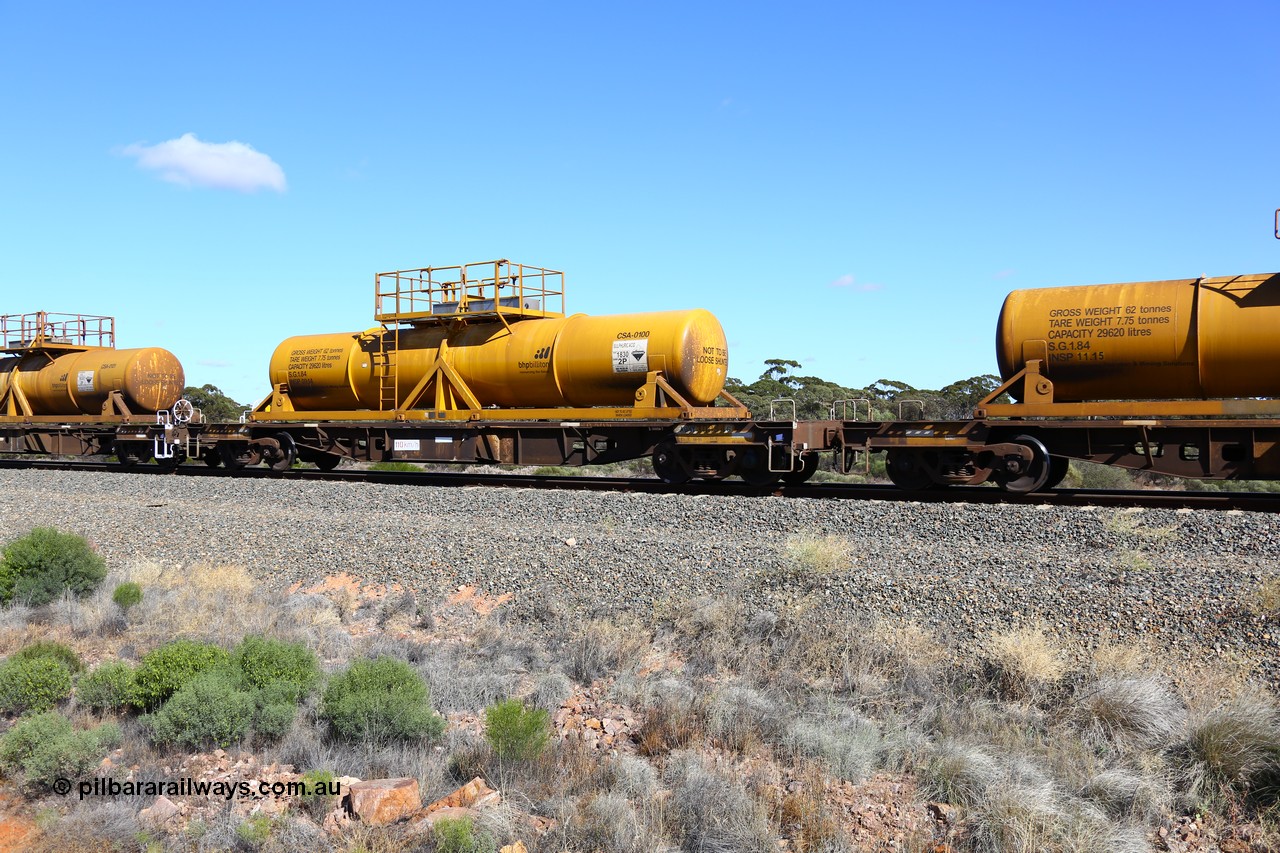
(15,408)
(1037,402)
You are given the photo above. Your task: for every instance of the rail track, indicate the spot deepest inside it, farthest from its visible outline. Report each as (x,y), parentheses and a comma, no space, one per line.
(1222,501)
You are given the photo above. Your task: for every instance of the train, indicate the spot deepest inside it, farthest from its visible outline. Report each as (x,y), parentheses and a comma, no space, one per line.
(480,363)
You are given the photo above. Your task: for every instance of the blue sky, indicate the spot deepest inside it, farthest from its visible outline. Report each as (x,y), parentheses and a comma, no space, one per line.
(853,186)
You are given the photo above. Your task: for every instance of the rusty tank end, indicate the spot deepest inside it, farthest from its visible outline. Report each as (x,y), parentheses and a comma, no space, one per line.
(563,361)
(1192,338)
(149,379)
(67,364)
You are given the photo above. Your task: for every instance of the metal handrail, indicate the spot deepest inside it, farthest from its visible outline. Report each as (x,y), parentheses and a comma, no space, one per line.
(502,288)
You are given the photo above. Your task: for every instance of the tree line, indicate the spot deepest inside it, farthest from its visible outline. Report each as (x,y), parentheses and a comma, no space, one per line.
(886,399)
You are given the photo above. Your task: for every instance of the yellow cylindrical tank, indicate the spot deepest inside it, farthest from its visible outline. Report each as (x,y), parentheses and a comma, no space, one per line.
(544,363)
(1191,338)
(78,383)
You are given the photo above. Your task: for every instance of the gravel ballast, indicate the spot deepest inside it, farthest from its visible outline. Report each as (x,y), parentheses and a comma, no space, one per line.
(1184,581)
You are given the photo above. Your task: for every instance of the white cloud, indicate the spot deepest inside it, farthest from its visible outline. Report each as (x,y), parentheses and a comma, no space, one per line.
(213,362)
(847,280)
(220,165)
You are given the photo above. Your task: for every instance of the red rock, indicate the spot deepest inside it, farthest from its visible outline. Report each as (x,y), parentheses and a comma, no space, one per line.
(382,801)
(162,812)
(336,822)
(474,794)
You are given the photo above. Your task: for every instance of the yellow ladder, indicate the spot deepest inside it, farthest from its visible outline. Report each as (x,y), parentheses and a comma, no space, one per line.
(384,365)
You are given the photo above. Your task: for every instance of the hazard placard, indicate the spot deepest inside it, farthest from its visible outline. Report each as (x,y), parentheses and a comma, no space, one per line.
(631,356)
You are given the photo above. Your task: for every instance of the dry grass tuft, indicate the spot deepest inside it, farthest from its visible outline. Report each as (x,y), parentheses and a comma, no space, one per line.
(741,718)
(848,744)
(1017,817)
(176,602)
(1128,522)
(1131,713)
(673,719)
(604,648)
(960,774)
(715,813)
(1023,663)
(1266,598)
(805,818)
(90,826)
(1123,793)
(610,821)
(1121,660)
(1233,750)
(818,555)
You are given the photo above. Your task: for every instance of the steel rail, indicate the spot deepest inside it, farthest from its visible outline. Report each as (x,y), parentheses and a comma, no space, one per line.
(1154,499)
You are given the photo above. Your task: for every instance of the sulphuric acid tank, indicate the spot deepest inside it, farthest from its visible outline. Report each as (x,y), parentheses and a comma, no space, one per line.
(544,363)
(1191,338)
(79,382)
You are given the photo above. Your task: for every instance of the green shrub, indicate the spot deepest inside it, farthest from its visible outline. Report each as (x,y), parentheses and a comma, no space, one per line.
(255,831)
(33,684)
(396,467)
(273,720)
(109,687)
(166,669)
(208,709)
(515,731)
(271,663)
(319,790)
(460,836)
(127,595)
(46,747)
(39,567)
(381,699)
(54,651)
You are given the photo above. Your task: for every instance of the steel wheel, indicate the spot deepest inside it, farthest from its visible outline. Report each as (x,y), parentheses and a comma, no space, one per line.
(235,456)
(1022,477)
(179,456)
(808,465)
(1058,467)
(753,467)
(282,460)
(325,461)
(668,465)
(130,455)
(906,471)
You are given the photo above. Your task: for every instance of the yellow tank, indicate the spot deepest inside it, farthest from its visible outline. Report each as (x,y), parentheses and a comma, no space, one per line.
(543,363)
(1191,338)
(78,383)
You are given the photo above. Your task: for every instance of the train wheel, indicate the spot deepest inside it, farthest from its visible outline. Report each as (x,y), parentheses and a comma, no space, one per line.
(236,457)
(211,457)
(906,471)
(758,476)
(1021,477)
(325,461)
(171,464)
(808,465)
(753,467)
(668,465)
(282,460)
(1058,467)
(131,453)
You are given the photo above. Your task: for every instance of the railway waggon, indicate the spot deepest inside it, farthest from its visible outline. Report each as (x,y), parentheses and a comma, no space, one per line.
(479,363)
